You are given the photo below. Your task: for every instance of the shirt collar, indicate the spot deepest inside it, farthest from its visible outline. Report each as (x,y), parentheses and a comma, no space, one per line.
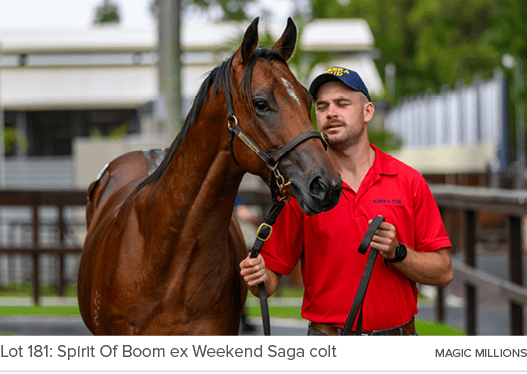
(383,164)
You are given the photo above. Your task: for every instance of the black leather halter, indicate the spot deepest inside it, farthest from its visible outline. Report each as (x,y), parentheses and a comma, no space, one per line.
(271,157)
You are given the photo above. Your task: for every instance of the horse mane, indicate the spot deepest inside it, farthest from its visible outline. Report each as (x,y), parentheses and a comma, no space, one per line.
(219,78)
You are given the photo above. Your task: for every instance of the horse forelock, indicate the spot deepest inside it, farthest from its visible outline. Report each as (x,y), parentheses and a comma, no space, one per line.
(267,54)
(219,78)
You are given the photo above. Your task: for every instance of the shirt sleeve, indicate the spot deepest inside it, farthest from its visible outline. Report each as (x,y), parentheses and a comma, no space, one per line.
(430,232)
(284,248)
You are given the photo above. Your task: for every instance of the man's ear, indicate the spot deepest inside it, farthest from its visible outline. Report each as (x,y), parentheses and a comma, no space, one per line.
(369,109)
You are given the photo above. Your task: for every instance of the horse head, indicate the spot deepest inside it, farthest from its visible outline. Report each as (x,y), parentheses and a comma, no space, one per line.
(270,114)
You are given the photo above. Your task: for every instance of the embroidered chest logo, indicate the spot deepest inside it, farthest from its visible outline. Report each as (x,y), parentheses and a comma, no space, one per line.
(388,201)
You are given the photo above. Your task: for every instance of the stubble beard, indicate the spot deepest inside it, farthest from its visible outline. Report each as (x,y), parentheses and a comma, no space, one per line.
(342,135)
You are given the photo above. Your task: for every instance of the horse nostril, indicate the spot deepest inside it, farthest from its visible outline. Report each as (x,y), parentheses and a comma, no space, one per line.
(318,188)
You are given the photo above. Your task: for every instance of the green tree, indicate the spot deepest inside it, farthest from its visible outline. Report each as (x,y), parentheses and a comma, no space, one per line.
(509,35)
(509,28)
(430,42)
(452,40)
(107,12)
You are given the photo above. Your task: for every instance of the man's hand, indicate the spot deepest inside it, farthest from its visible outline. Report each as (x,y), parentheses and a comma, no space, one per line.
(432,268)
(253,271)
(385,240)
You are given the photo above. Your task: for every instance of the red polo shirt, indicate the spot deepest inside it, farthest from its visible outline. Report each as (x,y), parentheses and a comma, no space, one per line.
(327,245)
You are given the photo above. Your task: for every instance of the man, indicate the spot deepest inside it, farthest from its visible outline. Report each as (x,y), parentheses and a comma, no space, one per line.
(412,240)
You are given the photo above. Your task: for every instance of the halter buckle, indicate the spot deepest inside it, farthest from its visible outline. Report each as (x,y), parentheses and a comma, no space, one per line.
(260,228)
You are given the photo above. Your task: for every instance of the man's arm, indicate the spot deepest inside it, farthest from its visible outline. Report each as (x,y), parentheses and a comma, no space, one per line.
(431,268)
(254,272)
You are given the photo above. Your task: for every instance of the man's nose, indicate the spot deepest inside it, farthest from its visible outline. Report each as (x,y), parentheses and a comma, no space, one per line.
(331,111)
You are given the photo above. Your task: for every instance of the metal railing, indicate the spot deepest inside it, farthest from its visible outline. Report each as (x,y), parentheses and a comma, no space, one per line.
(470,200)
(60,200)
(36,199)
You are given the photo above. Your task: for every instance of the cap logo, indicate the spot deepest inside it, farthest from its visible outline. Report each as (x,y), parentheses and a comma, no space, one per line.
(337,71)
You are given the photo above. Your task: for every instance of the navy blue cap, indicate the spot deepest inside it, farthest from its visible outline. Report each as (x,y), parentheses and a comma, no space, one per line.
(349,77)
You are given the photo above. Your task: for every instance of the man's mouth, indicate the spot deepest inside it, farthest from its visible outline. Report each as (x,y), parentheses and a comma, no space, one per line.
(332,125)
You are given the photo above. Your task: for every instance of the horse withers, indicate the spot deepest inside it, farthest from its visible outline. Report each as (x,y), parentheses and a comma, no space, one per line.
(162,250)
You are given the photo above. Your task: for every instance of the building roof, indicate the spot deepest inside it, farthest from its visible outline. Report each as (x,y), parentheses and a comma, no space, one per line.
(116,66)
(345,35)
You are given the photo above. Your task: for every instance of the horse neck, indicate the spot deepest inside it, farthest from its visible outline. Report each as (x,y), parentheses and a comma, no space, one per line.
(199,187)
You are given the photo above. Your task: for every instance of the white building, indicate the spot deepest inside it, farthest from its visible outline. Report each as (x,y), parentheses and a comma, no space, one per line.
(58,85)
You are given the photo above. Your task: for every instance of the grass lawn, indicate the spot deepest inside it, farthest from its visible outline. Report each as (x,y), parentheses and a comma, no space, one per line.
(39,311)
(423,327)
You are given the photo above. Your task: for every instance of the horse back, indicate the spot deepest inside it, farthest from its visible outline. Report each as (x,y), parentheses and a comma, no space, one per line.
(117,178)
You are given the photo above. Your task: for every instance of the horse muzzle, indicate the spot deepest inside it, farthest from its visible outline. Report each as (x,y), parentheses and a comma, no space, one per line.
(321,193)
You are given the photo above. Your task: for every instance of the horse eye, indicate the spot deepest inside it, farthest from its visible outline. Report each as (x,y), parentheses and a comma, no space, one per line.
(261,105)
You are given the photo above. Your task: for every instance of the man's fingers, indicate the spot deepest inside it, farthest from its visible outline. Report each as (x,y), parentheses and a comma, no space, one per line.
(253,270)
(256,278)
(381,239)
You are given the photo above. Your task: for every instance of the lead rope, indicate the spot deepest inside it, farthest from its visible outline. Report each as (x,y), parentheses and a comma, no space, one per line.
(262,235)
(280,197)
(363,285)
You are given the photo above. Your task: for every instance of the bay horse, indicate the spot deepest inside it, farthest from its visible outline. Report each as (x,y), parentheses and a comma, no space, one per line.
(163,248)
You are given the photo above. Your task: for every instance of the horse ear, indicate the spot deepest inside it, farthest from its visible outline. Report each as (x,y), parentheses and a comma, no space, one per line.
(249,44)
(286,44)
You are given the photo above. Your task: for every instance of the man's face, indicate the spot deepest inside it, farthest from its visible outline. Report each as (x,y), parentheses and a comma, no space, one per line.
(342,113)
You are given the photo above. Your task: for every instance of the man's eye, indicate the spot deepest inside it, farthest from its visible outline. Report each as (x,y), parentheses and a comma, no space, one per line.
(261,105)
